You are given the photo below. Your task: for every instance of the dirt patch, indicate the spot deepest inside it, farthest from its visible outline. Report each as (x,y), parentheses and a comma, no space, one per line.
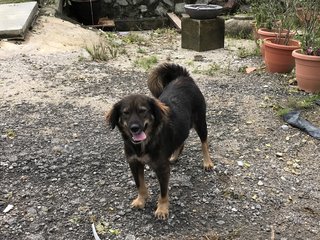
(51,35)
(62,168)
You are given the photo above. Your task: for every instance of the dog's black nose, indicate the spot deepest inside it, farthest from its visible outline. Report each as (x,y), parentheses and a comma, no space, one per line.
(135,128)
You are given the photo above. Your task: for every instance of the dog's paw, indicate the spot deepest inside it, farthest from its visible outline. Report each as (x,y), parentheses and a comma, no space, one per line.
(208,164)
(139,202)
(173,159)
(162,213)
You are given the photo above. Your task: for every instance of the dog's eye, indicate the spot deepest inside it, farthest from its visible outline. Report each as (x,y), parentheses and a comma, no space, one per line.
(142,110)
(125,112)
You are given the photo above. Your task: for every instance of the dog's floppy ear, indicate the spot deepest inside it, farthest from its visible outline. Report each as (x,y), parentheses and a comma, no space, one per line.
(112,117)
(159,110)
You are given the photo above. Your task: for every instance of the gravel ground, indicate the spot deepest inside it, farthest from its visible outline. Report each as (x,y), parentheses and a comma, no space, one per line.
(62,168)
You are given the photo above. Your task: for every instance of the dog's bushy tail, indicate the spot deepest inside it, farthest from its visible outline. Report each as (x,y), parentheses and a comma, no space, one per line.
(162,75)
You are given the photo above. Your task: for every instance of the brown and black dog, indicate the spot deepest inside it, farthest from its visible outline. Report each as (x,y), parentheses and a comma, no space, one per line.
(154,130)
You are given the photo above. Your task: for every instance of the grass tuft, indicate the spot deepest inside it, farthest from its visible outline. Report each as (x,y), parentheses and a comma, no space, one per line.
(146,62)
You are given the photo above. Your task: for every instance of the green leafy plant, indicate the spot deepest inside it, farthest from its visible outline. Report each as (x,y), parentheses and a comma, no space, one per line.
(286,22)
(266,13)
(277,16)
(308,12)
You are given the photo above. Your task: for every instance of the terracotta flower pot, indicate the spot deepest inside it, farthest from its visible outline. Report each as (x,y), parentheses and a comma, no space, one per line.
(307,71)
(278,57)
(269,33)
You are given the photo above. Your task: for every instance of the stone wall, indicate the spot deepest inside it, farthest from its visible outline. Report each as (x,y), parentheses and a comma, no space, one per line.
(136,9)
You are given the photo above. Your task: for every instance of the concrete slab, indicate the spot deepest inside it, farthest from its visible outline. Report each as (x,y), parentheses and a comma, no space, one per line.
(16,18)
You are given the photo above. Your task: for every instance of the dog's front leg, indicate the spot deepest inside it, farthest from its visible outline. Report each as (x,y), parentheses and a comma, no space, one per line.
(163,174)
(137,170)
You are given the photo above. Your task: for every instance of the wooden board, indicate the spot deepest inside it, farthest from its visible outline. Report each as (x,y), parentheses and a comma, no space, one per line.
(175,19)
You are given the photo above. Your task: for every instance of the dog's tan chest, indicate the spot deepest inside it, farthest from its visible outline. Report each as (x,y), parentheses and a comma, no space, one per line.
(144,159)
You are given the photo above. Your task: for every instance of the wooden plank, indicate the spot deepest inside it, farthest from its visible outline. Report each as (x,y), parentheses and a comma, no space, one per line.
(175,19)
(106,22)
(138,24)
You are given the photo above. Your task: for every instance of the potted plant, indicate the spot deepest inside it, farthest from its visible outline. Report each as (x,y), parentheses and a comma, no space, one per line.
(267,16)
(278,49)
(307,59)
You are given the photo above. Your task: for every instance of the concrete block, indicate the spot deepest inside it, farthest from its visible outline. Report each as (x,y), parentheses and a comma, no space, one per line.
(202,35)
(16,18)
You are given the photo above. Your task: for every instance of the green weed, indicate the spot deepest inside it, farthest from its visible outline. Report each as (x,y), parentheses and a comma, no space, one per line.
(108,48)
(146,62)
(141,50)
(296,104)
(244,53)
(167,34)
(135,38)
(101,52)
(210,71)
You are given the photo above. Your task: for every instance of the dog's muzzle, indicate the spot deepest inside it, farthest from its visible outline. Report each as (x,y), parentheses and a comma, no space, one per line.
(138,135)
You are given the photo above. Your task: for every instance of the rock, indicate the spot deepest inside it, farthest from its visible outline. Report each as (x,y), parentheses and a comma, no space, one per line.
(161,10)
(203,1)
(232,6)
(143,8)
(239,28)
(35,237)
(260,183)
(240,163)
(122,2)
(8,208)
(181,181)
(220,222)
(170,3)
(130,237)
(179,8)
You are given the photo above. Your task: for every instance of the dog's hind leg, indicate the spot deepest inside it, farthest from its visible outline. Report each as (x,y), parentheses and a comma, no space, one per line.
(200,126)
(207,162)
(176,153)
(137,170)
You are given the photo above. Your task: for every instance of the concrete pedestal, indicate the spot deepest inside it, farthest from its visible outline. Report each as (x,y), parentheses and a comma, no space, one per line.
(202,35)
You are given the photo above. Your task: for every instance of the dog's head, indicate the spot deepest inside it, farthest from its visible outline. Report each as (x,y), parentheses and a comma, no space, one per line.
(137,116)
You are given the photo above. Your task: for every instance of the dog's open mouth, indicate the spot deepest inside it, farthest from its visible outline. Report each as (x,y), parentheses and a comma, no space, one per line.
(139,137)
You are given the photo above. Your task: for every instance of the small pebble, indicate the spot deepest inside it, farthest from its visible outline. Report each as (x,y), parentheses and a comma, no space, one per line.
(130,237)
(285,127)
(240,163)
(8,208)
(220,222)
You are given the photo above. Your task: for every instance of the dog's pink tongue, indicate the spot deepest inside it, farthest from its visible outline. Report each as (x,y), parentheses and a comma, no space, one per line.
(139,137)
